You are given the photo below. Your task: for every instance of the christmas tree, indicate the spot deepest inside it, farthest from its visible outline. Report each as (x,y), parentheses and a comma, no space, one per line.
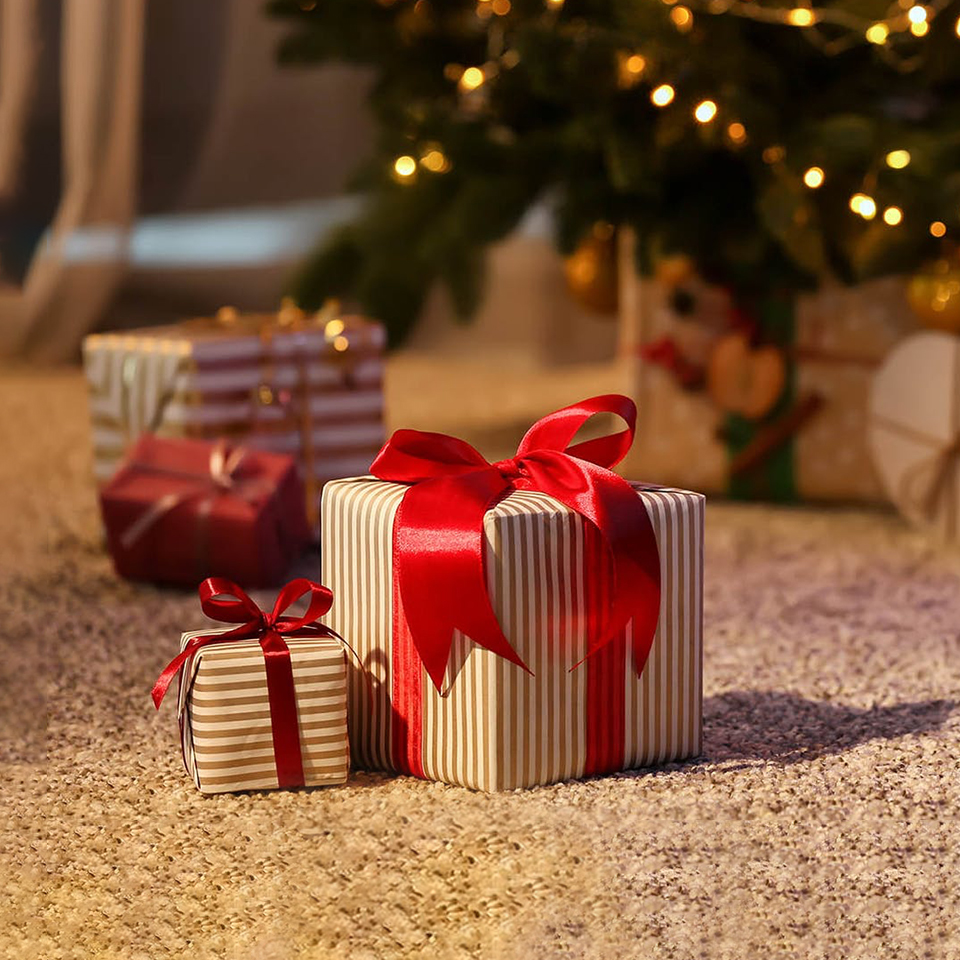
(775,146)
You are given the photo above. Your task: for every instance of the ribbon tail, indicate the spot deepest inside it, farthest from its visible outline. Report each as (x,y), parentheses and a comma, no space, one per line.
(630,544)
(439,563)
(166,677)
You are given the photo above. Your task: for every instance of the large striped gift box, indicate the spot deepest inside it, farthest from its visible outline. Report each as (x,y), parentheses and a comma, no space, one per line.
(224,712)
(493,726)
(312,390)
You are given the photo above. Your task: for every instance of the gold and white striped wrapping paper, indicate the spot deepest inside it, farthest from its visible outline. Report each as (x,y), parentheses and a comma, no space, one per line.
(495,727)
(224,713)
(186,382)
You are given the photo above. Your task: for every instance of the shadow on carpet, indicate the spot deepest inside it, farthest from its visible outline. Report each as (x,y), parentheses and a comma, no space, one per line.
(754,725)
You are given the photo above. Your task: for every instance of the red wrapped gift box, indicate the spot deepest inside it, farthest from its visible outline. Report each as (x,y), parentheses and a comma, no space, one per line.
(178,511)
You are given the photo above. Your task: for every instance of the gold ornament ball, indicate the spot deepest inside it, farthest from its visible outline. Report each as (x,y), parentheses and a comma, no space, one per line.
(934,295)
(592,273)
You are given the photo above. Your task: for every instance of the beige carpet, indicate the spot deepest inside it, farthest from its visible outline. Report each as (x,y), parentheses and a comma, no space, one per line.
(822,822)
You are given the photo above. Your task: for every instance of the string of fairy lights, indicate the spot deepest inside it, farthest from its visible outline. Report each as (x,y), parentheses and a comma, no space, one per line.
(894,38)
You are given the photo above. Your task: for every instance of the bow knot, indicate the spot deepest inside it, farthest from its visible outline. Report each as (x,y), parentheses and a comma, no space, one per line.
(510,469)
(439,555)
(224,465)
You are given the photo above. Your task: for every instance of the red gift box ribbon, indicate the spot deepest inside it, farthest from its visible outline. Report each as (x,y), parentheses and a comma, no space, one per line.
(439,558)
(270,629)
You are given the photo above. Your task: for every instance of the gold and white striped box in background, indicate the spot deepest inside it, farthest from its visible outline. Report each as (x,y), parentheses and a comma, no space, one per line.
(224,713)
(495,727)
(301,391)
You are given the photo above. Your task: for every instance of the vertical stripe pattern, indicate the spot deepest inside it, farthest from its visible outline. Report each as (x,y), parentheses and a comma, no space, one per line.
(494,727)
(224,711)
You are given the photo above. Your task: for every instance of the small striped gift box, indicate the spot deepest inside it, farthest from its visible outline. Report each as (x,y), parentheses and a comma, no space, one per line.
(224,713)
(312,389)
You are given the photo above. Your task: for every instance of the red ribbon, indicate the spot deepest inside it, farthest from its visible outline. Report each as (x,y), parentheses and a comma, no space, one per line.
(438,541)
(269,629)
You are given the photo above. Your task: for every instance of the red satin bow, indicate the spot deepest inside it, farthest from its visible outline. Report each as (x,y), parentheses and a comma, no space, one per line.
(439,560)
(269,629)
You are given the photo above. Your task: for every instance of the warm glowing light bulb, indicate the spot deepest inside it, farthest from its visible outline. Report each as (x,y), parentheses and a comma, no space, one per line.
(630,67)
(898,159)
(877,33)
(813,178)
(340,344)
(892,216)
(435,161)
(662,95)
(920,29)
(682,18)
(956,27)
(333,329)
(917,14)
(737,132)
(472,78)
(938,229)
(556,4)
(501,7)
(705,111)
(863,205)
(404,166)
(801,17)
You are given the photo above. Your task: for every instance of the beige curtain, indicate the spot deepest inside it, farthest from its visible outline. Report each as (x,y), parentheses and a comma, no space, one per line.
(19,58)
(68,285)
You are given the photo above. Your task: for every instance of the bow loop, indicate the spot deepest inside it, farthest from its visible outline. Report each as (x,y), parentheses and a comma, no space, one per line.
(413,456)
(240,609)
(557,430)
(321,599)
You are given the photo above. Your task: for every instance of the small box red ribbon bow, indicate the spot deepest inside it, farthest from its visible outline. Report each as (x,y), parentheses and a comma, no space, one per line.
(270,629)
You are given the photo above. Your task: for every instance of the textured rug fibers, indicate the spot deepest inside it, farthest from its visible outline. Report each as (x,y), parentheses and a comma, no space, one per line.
(822,821)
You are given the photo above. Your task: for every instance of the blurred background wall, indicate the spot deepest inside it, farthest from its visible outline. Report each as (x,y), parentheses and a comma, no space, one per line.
(242,167)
